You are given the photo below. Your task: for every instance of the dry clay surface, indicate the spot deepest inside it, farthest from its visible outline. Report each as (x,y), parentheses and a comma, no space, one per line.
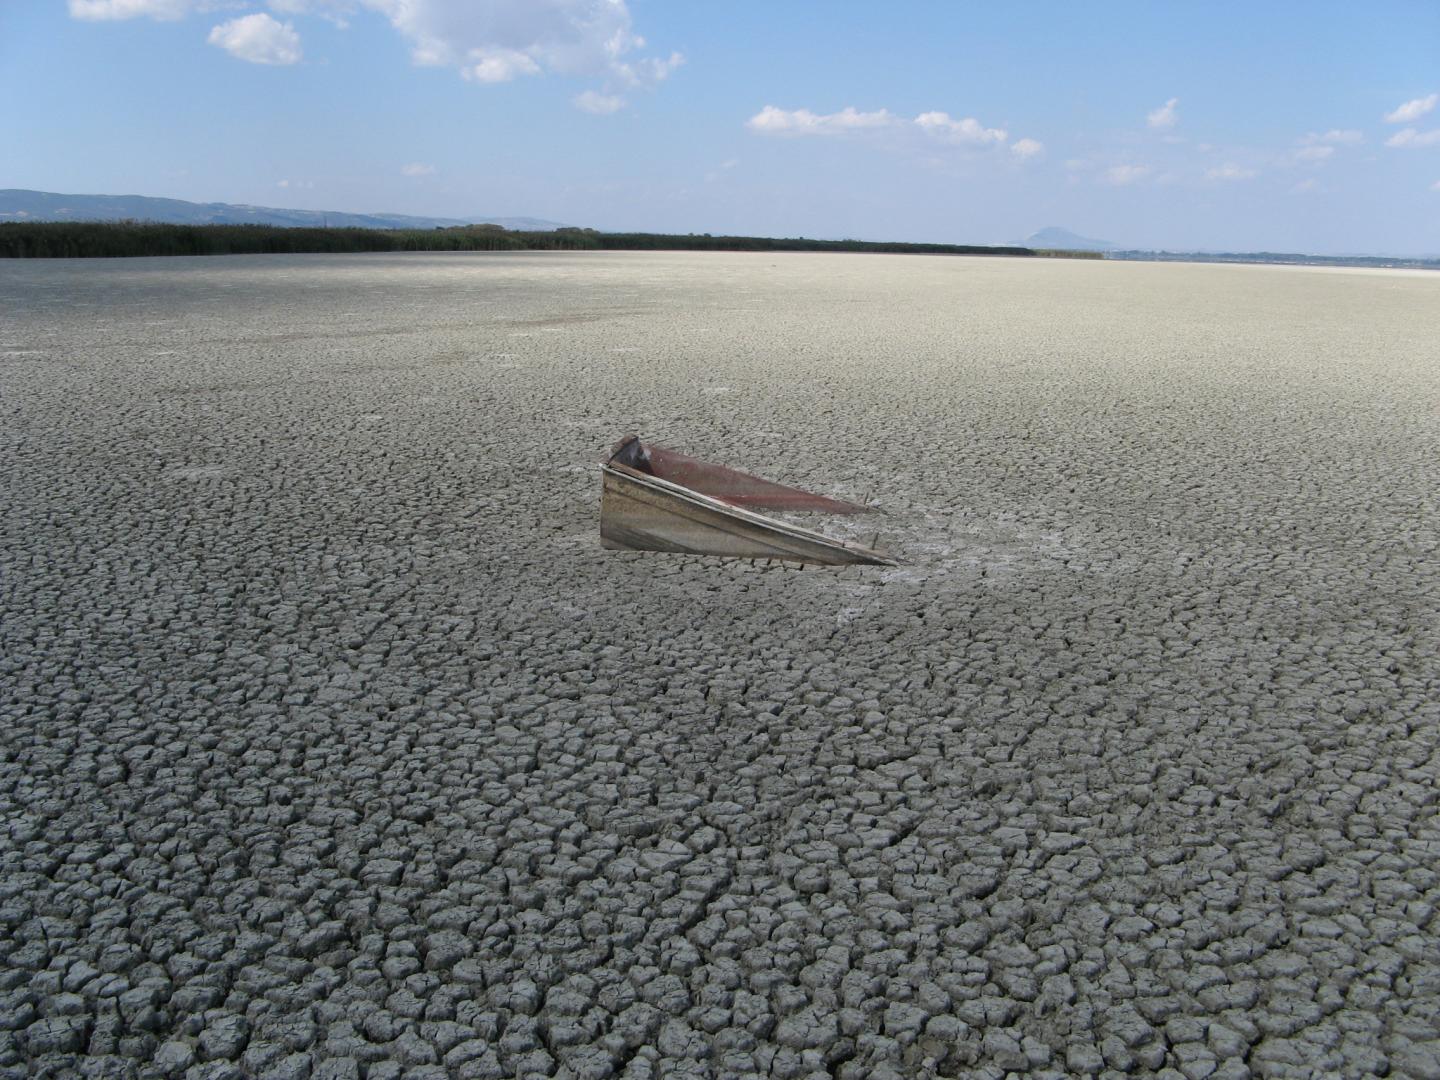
(334,746)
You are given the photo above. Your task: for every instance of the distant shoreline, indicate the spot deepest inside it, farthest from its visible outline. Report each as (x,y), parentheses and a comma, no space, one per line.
(96,239)
(138,239)
(1276,258)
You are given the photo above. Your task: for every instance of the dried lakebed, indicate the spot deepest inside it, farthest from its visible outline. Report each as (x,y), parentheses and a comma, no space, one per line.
(333,745)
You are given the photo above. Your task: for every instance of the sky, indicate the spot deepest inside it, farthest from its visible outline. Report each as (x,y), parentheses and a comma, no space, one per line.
(1285,126)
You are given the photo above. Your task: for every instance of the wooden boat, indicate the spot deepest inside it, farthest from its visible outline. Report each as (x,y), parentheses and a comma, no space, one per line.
(653,499)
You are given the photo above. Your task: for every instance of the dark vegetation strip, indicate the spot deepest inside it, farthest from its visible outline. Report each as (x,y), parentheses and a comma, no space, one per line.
(97,239)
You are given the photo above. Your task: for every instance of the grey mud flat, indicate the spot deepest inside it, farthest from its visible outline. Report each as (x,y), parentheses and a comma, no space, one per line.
(334,746)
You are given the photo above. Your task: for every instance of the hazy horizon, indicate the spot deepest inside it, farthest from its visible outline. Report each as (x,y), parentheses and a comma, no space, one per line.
(1222,128)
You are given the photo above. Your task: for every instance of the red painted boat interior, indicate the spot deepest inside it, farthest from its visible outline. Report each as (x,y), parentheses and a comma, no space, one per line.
(728,485)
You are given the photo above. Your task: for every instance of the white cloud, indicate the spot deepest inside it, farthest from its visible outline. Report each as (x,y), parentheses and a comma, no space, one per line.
(1165,116)
(1121,175)
(498,40)
(1230,171)
(1314,153)
(486,41)
(1334,137)
(495,65)
(965,130)
(1306,185)
(592,101)
(773,121)
(416,168)
(1412,137)
(258,39)
(101,10)
(1435,186)
(1412,110)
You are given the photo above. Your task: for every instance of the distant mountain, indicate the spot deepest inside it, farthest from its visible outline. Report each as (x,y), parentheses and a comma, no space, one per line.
(17,204)
(1053,236)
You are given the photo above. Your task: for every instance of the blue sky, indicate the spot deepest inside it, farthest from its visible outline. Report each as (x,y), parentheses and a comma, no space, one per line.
(1298,126)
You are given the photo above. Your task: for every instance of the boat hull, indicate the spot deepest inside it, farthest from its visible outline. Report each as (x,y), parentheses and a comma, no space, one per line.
(639,512)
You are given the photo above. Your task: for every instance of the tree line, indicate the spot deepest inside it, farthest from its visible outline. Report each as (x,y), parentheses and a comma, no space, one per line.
(106,239)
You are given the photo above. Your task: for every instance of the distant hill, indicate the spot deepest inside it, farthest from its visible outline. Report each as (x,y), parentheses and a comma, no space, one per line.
(18,204)
(1052,236)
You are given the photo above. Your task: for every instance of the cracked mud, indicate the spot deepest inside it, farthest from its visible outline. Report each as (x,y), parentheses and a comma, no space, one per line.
(334,746)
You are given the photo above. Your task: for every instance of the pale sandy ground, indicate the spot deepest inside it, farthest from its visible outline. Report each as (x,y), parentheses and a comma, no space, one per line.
(332,743)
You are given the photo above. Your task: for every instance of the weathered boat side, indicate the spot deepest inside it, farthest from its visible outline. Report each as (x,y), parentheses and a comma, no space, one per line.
(640,512)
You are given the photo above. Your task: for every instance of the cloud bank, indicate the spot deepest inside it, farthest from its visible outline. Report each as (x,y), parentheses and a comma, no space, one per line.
(941,126)
(966,130)
(486,41)
(493,41)
(773,121)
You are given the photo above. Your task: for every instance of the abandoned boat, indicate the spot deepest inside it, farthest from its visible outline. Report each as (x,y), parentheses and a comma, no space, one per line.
(654,499)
